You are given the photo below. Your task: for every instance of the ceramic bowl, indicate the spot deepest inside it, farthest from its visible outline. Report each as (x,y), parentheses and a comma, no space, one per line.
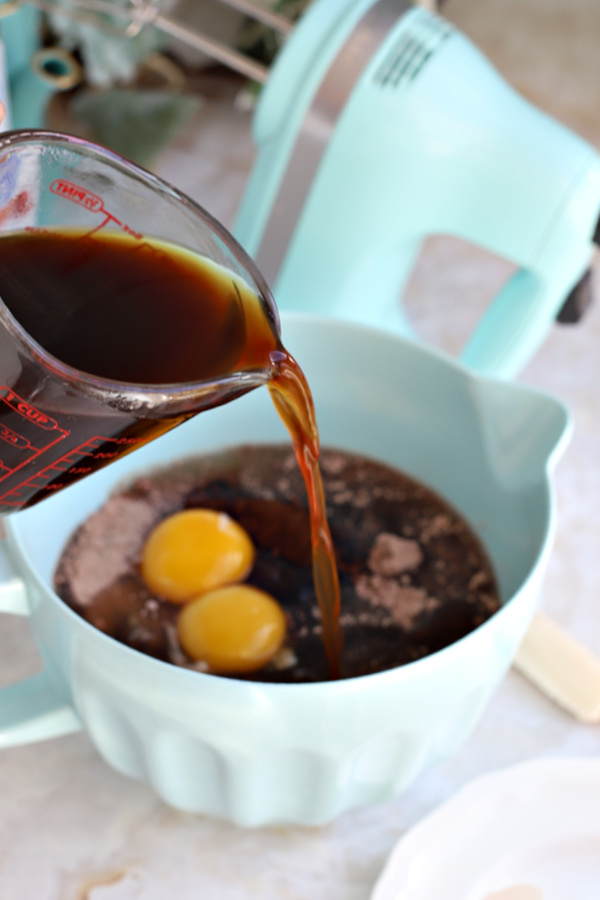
(261,754)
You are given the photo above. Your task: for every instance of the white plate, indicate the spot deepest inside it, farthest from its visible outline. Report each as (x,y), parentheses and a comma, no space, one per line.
(534,825)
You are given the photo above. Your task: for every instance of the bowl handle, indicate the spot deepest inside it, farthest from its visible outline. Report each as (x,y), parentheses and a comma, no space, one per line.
(33,709)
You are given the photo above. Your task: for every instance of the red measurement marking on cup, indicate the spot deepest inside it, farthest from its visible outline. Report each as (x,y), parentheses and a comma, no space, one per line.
(90,201)
(25,432)
(77,194)
(80,195)
(78,462)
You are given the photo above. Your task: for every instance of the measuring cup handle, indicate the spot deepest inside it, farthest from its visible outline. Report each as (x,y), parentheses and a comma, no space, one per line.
(32,709)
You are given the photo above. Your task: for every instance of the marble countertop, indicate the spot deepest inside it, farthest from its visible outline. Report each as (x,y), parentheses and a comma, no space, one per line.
(72,829)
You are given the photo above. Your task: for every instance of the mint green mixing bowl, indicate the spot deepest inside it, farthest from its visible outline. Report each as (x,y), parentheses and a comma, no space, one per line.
(265,753)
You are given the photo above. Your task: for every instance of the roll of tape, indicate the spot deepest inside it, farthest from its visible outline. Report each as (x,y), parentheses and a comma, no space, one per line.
(51,70)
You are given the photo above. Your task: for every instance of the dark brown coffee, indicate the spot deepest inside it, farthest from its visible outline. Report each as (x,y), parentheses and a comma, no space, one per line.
(414,577)
(130,310)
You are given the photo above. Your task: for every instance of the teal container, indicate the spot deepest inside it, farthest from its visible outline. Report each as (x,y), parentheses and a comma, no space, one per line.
(21,32)
(51,70)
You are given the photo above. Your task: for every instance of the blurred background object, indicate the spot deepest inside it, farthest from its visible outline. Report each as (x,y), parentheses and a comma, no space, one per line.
(98,54)
(129,59)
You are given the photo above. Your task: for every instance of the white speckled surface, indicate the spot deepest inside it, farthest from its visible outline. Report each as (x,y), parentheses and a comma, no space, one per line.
(71,829)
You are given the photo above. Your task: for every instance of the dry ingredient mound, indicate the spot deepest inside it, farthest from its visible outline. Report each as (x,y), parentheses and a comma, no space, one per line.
(414,577)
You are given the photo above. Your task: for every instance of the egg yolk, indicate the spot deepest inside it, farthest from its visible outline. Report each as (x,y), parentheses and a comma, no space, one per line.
(233,629)
(195,551)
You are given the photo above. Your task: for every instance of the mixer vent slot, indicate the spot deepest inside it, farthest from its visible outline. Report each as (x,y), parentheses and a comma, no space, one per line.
(415,46)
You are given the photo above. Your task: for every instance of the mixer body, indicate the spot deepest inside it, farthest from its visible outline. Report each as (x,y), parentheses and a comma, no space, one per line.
(381,125)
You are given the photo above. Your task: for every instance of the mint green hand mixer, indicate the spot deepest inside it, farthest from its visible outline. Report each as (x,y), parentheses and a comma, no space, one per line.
(379,125)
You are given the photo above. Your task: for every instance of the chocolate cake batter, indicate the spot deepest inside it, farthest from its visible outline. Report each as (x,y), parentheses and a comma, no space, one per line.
(414,578)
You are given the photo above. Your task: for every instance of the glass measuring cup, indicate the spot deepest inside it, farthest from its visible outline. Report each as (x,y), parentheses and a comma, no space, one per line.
(57,422)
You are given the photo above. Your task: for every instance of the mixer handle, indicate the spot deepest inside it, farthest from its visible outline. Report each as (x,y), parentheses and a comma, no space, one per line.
(517,322)
(510,331)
